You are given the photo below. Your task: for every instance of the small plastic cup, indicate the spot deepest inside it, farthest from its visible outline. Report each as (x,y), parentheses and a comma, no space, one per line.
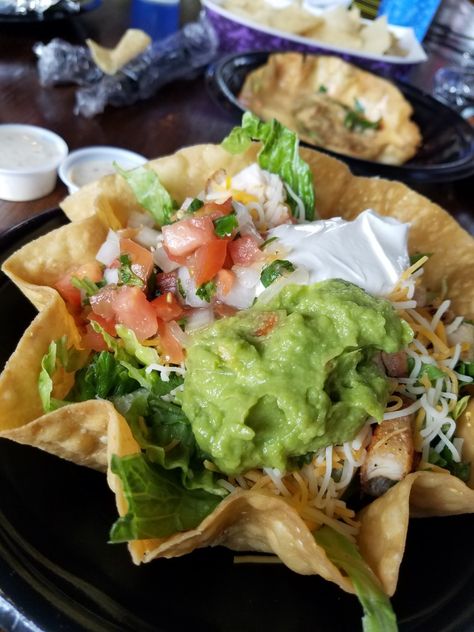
(88,164)
(29,160)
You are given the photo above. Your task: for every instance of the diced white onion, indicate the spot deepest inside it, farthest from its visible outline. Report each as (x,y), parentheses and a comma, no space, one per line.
(246,225)
(111,275)
(199,318)
(110,249)
(163,261)
(147,237)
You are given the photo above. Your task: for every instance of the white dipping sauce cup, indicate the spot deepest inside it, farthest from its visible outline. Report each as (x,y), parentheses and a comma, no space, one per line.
(86,165)
(35,175)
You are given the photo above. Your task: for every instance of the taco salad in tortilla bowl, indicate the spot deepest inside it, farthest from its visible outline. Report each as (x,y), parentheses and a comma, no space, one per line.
(262,351)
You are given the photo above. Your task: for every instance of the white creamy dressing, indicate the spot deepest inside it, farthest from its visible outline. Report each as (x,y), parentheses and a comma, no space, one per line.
(87,171)
(370,251)
(20,149)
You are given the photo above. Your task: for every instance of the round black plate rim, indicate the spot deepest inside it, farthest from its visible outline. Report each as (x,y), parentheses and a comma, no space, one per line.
(454,611)
(455,170)
(24,227)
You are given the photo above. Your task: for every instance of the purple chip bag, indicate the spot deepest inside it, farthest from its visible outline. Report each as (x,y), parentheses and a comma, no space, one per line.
(415,13)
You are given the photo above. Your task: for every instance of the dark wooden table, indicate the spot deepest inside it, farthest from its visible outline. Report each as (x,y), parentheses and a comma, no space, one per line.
(180,114)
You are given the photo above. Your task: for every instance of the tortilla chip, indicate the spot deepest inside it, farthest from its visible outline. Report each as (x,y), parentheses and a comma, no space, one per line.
(110,60)
(312,95)
(76,432)
(384,523)
(244,520)
(37,266)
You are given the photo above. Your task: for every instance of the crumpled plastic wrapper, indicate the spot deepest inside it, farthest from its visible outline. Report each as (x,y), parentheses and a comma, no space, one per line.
(181,55)
(24,7)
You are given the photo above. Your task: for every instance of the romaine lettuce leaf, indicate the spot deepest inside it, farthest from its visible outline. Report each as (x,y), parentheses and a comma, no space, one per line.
(158,504)
(58,356)
(378,612)
(279,155)
(163,431)
(103,377)
(150,193)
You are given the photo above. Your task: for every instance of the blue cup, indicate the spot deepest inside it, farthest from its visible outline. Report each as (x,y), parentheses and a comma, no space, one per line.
(158,18)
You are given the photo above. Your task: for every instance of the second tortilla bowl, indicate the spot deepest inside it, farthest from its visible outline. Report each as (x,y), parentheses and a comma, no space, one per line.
(445,154)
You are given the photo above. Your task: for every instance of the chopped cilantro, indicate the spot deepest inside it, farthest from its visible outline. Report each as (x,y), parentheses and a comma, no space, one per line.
(126,274)
(322,89)
(206,291)
(274,270)
(195,205)
(356,121)
(224,226)
(89,287)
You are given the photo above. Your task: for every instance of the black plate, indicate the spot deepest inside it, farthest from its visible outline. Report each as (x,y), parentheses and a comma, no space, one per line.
(57,570)
(53,14)
(447,152)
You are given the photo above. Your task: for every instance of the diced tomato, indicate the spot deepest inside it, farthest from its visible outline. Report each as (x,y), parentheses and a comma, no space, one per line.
(71,294)
(107,324)
(128,306)
(182,260)
(93,340)
(208,260)
(267,324)
(134,311)
(167,307)
(141,258)
(215,210)
(167,282)
(103,303)
(244,250)
(170,347)
(184,237)
(225,281)
(223,310)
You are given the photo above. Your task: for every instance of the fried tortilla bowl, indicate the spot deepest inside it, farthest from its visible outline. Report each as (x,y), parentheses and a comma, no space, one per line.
(319,97)
(244,520)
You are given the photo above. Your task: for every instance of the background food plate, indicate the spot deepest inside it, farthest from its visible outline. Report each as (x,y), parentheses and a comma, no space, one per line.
(57,570)
(447,151)
(237,34)
(51,15)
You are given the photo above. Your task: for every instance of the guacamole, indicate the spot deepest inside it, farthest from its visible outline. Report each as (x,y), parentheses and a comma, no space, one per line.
(289,377)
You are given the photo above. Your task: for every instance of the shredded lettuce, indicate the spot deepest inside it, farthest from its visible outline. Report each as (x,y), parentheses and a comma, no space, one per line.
(279,155)
(150,193)
(378,612)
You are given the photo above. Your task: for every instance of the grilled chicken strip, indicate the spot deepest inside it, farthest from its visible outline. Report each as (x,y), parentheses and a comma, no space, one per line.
(389,455)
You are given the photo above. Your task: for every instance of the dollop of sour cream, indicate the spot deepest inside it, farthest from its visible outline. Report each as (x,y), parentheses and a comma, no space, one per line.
(370,251)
